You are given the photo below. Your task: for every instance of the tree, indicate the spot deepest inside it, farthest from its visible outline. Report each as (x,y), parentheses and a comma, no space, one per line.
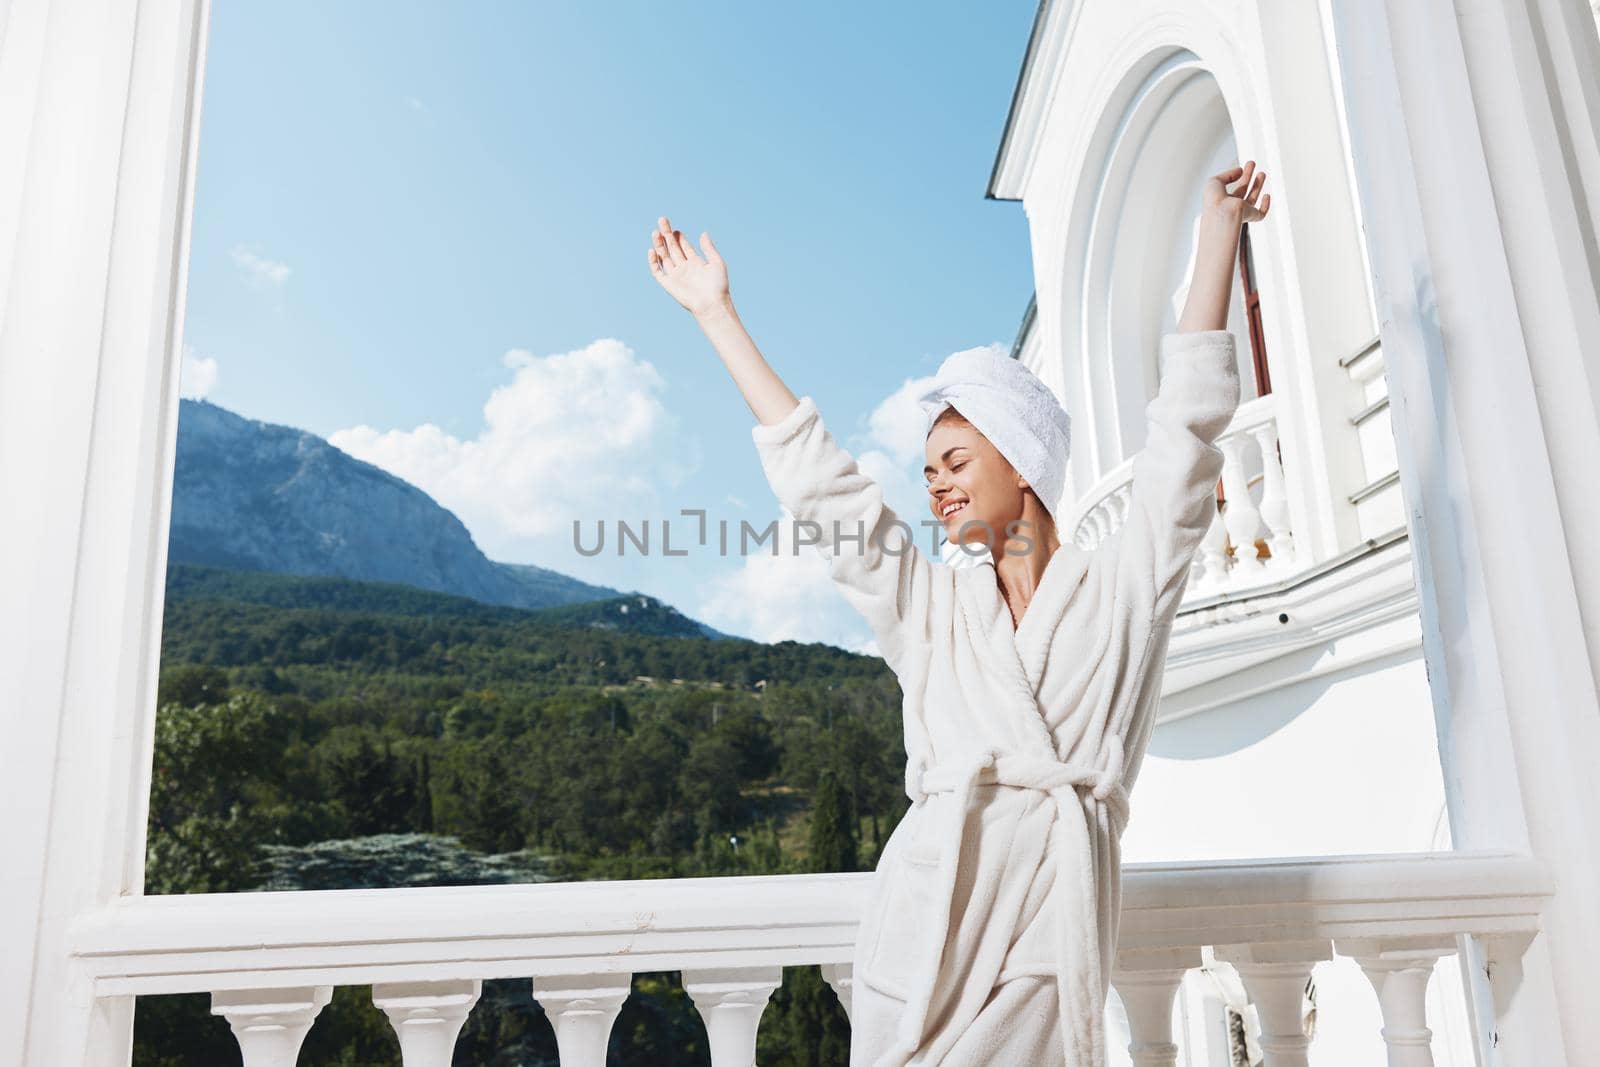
(189,685)
(833,827)
(421,817)
(814,1028)
(493,811)
(376,790)
(213,766)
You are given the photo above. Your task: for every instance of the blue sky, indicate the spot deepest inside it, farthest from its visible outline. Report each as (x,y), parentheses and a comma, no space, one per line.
(420,230)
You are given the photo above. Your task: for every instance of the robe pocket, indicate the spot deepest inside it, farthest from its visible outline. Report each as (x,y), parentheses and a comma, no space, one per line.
(905,919)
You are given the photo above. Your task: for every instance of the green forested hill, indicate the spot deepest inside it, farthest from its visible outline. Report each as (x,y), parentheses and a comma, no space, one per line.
(323,732)
(634,613)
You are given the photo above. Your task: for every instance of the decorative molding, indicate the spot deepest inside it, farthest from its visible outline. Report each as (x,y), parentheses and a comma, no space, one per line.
(1030,99)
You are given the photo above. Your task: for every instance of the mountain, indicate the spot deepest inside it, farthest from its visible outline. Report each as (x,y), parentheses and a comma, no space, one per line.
(254,496)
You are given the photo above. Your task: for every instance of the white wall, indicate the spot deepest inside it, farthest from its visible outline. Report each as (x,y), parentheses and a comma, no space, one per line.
(1345,763)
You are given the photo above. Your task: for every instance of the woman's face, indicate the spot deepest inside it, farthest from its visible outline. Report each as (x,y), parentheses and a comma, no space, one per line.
(970,484)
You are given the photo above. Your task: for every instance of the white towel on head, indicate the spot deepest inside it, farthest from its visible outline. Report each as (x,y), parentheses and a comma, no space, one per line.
(1008,404)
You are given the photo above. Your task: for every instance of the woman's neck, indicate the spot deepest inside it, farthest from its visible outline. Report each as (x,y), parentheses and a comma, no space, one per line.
(1020,561)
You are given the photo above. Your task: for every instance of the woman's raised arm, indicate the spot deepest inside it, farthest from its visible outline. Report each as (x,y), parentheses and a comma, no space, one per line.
(871,554)
(700,286)
(1171,503)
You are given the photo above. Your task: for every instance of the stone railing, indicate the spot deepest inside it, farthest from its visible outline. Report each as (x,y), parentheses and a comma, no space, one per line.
(1259,535)
(271,960)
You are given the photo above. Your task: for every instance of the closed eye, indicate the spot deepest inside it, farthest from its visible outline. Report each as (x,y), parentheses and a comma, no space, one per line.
(952,471)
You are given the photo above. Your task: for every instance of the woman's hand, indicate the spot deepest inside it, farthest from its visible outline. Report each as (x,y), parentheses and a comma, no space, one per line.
(700,285)
(1222,215)
(1245,202)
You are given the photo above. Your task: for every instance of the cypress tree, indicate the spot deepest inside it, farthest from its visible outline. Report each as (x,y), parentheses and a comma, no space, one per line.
(422,796)
(833,827)
(817,1030)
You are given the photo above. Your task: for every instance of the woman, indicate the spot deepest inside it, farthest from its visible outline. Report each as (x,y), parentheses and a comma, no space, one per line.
(1030,681)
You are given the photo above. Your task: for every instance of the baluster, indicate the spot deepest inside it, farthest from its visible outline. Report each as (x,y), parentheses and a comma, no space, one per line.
(427,1017)
(1214,549)
(1243,520)
(1118,503)
(1274,497)
(582,1008)
(1148,982)
(730,1000)
(1399,973)
(270,1024)
(841,977)
(1275,976)
(1097,523)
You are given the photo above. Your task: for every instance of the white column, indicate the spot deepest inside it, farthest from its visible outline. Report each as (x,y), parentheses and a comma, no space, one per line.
(99,116)
(1399,972)
(731,1000)
(1472,128)
(841,978)
(427,1017)
(1275,976)
(270,1024)
(1148,984)
(582,1008)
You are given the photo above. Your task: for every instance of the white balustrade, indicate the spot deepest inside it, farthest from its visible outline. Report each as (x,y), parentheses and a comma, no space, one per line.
(270,1024)
(1212,557)
(270,960)
(1239,514)
(730,1000)
(841,979)
(582,1008)
(427,1017)
(1148,984)
(1274,507)
(1275,975)
(1399,972)
(1251,437)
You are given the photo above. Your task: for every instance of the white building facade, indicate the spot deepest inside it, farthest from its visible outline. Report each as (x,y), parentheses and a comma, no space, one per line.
(1296,718)
(1397,614)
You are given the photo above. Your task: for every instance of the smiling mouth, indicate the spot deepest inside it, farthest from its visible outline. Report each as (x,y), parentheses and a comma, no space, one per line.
(952,508)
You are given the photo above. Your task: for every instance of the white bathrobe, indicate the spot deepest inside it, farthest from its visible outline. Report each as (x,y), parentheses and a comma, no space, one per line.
(992,922)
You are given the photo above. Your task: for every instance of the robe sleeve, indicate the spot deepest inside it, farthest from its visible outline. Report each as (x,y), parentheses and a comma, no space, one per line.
(872,555)
(1173,493)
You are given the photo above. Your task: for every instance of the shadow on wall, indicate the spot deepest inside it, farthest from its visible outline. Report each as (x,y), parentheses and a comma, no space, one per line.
(1225,730)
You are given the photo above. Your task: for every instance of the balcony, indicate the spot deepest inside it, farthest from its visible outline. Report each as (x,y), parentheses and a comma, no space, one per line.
(270,960)
(1251,540)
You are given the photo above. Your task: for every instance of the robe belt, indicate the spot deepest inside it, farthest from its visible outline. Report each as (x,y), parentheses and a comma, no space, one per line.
(1028,772)
(1076,894)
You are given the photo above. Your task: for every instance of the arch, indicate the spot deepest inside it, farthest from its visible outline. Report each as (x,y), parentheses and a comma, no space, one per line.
(1130,240)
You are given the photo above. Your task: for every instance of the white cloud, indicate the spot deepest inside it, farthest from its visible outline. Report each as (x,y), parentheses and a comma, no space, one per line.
(196,376)
(783,597)
(581,435)
(415,104)
(259,268)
